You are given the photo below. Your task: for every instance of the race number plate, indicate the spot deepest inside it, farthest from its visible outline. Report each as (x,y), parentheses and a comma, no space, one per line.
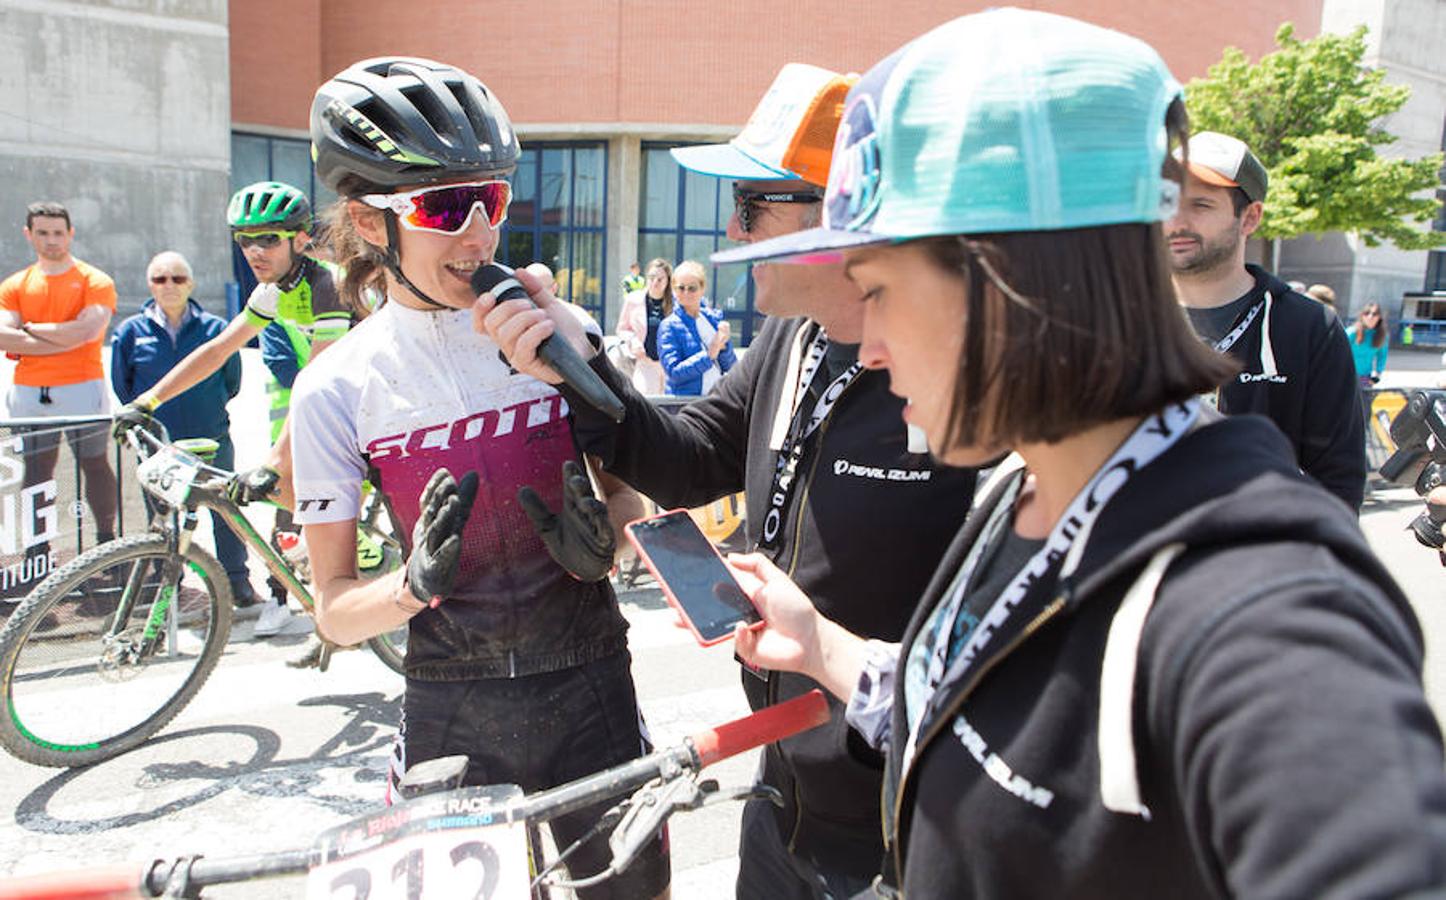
(169,474)
(465,843)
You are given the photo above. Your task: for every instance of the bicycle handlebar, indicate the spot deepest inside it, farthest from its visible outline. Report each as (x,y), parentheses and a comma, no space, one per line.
(701,749)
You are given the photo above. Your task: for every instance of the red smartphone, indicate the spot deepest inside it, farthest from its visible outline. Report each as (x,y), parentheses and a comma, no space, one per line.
(692,575)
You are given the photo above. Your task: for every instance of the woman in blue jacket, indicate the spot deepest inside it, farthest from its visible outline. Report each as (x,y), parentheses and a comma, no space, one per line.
(148,345)
(693,343)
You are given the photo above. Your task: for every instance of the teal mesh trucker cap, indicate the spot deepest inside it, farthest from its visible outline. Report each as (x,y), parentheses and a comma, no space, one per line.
(1006,120)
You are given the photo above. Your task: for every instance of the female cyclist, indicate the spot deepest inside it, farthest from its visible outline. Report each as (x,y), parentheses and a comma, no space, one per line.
(511,659)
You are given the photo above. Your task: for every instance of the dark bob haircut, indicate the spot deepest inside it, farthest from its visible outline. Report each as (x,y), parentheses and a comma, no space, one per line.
(1066,330)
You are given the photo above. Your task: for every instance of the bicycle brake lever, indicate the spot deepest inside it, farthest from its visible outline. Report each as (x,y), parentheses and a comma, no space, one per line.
(648,809)
(757,791)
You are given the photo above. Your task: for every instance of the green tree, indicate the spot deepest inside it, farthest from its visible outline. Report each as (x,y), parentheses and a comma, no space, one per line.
(1311,112)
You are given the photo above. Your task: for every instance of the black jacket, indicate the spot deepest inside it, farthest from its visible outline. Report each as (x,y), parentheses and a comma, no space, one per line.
(868,522)
(1283,744)
(1311,392)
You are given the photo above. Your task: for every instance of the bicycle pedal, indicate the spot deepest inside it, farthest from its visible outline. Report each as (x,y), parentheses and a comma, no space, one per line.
(311,659)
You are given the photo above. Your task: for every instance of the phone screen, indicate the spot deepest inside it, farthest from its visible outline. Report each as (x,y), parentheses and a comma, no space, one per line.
(683,559)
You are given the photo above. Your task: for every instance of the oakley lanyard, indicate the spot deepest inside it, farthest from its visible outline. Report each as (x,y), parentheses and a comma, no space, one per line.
(1239,330)
(1057,559)
(801,429)
(1224,344)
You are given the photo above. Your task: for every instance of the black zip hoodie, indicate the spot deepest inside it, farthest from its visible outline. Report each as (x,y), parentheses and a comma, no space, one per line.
(1298,372)
(1283,745)
(867,524)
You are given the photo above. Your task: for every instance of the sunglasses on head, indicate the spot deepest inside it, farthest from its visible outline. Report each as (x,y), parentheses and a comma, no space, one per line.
(263,239)
(745,202)
(446,209)
(173,279)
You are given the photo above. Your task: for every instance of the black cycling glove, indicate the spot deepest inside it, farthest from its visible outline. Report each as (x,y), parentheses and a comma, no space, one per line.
(580,537)
(131,416)
(252,485)
(437,537)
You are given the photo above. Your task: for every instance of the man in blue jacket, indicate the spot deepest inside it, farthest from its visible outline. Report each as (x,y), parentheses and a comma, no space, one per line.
(147,346)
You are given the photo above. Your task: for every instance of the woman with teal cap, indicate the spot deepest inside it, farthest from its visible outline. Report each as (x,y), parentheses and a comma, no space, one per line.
(1157,660)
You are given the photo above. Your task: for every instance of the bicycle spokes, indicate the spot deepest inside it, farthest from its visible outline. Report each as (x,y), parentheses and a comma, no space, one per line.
(110,649)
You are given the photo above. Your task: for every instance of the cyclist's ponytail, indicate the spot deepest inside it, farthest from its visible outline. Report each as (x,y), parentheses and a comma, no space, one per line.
(363,263)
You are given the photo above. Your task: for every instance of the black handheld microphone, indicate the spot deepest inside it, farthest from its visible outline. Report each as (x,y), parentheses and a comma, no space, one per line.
(498,280)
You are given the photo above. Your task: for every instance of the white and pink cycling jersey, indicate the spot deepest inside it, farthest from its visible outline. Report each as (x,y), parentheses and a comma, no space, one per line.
(410,391)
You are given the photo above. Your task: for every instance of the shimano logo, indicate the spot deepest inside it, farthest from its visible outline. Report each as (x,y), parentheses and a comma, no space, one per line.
(492,423)
(842,467)
(1250,377)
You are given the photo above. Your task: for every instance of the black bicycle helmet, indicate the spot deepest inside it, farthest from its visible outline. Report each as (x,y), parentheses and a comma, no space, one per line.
(394,122)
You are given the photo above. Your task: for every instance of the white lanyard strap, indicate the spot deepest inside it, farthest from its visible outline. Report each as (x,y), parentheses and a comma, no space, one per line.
(799,431)
(1239,330)
(1062,550)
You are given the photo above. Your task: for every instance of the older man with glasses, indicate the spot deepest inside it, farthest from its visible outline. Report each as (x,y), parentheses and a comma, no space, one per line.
(840,493)
(296,303)
(149,344)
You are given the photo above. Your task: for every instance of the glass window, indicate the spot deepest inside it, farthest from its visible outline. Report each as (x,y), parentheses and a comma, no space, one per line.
(250,160)
(660,190)
(587,266)
(657,246)
(555,188)
(518,247)
(559,216)
(589,187)
(523,210)
(701,207)
(291,164)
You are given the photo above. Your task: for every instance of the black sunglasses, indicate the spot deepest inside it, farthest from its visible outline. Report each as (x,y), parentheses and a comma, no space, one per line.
(173,279)
(744,201)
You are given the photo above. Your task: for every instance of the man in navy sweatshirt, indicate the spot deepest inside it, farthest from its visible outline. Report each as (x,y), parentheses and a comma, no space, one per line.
(148,345)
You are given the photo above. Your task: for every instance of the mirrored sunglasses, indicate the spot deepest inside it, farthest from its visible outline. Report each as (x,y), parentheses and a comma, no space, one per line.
(446,209)
(263,239)
(745,202)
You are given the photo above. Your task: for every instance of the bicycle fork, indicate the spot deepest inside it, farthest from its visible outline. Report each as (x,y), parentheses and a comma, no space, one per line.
(163,618)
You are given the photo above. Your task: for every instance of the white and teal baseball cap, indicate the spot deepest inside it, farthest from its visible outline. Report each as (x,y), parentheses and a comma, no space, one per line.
(1006,120)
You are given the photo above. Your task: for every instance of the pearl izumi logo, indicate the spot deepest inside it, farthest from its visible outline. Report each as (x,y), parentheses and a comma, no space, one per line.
(878,473)
(1272,377)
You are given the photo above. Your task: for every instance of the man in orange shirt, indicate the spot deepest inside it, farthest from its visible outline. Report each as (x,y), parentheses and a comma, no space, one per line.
(53,317)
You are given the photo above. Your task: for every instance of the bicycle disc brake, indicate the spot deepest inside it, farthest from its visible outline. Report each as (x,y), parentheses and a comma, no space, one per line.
(122,659)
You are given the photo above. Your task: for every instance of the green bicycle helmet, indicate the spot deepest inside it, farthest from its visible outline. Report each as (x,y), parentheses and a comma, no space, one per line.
(269,203)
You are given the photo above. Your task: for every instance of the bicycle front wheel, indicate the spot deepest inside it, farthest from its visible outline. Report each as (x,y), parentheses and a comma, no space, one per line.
(80,686)
(391,648)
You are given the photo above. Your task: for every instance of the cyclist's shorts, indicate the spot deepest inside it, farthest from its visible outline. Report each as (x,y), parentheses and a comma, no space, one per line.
(85,398)
(538,732)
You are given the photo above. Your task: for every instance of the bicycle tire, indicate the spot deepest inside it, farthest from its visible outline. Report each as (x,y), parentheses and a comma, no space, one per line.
(56,642)
(391,648)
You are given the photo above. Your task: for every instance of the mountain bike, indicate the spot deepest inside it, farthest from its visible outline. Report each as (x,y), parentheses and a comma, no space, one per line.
(110,647)
(450,841)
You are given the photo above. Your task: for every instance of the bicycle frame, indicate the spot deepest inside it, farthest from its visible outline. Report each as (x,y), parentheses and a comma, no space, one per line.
(481,807)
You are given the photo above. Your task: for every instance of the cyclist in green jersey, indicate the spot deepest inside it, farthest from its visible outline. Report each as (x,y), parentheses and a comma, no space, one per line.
(296,299)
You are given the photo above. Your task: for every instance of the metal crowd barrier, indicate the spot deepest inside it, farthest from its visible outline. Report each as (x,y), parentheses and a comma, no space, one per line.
(45,520)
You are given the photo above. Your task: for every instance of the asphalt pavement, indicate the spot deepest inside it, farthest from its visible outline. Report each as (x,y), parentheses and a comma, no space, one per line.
(267,756)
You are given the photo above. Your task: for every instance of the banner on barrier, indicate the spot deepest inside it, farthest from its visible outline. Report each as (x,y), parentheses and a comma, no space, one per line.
(46,514)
